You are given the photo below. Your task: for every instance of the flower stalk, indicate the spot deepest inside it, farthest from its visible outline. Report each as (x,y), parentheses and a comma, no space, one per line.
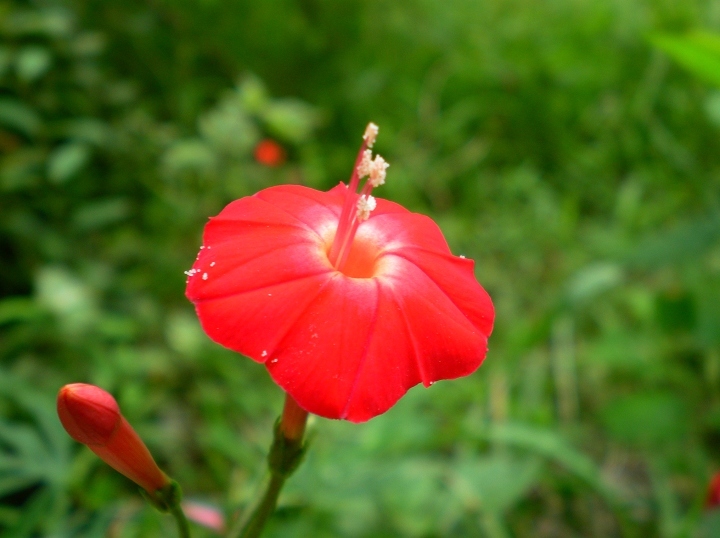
(286,453)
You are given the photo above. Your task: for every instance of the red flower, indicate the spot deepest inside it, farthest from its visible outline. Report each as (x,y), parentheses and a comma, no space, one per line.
(269,153)
(92,417)
(346,308)
(713,494)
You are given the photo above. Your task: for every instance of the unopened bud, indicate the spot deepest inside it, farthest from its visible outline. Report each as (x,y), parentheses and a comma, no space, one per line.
(92,417)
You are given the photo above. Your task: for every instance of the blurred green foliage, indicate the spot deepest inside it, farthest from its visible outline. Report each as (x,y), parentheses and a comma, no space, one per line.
(558,144)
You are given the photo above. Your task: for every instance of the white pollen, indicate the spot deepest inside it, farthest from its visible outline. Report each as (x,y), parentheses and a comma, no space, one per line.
(202,247)
(274,361)
(269,294)
(191,272)
(371,132)
(205,276)
(463,257)
(264,353)
(365,205)
(212,264)
(365,165)
(378,172)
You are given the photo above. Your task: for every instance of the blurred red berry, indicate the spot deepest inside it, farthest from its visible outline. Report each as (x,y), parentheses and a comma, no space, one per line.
(92,417)
(269,153)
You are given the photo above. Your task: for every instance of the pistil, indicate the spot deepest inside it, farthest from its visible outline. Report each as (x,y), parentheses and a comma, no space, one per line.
(358,206)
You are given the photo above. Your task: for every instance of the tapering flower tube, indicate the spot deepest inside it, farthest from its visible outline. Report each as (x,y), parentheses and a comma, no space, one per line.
(92,417)
(348,300)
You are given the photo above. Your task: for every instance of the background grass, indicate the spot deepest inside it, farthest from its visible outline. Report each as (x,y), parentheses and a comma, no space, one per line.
(558,144)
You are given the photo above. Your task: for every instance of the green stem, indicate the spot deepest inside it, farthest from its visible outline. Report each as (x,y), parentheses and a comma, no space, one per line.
(285,456)
(168,500)
(255,525)
(182,522)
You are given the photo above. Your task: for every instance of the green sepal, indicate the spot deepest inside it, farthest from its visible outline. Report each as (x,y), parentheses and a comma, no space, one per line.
(166,498)
(285,455)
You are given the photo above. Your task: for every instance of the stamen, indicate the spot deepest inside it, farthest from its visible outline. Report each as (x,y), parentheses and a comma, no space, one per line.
(366,164)
(371,132)
(377,171)
(365,205)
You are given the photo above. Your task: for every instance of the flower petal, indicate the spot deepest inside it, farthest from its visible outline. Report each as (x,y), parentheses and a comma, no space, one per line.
(420,335)
(319,358)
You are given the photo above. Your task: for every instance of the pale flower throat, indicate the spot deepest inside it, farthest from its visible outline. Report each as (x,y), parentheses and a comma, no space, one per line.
(358,206)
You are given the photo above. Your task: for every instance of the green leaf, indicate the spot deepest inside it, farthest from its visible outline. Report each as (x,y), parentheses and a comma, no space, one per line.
(18,116)
(712,107)
(228,128)
(50,22)
(594,280)
(32,62)
(32,515)
(699,52)
(552,446)
(15,309)
(188,155)
(290,119)
(66,161)
(21,169)
(101,213)
(494,483)
(253,94)
(5,60)
(67,296)
(684,242)
(648,419)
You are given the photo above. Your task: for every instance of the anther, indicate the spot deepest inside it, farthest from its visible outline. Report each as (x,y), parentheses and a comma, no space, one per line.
(371,132)
(365,205)
(378,172)
(366,163)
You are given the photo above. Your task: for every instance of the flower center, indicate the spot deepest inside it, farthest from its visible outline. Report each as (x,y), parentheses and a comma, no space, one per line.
(360,262)
(357,258)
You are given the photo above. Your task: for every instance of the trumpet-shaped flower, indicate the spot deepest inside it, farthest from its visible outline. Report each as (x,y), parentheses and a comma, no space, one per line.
(348,300)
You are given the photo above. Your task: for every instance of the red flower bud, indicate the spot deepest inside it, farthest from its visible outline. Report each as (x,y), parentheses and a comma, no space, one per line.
(92,417)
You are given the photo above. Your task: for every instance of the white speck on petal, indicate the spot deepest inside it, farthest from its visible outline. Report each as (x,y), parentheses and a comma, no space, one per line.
(205,276)
(463,257)
(274,361)
(264,353)
(212,264)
